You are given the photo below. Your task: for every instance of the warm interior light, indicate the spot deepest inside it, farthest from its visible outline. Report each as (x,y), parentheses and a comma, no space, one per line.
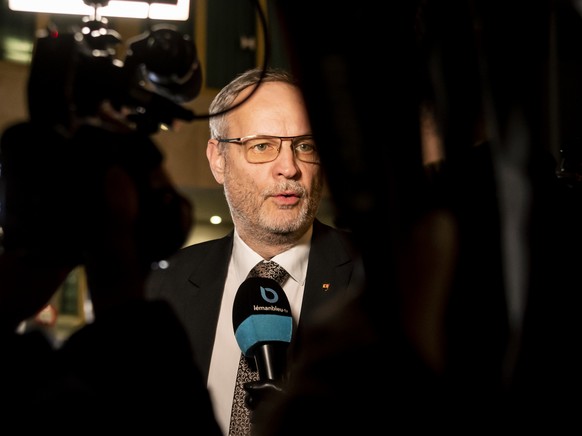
(115,8)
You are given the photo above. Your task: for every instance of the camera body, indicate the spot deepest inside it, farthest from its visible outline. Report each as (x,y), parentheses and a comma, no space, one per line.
(74,73)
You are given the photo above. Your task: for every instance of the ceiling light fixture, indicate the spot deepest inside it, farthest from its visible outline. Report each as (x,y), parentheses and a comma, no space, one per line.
(176,10)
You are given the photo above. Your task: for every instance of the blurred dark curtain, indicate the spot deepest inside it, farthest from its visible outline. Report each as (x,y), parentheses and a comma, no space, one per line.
(511,317)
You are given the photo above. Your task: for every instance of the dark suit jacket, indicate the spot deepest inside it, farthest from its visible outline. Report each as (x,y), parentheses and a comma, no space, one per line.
(194,282)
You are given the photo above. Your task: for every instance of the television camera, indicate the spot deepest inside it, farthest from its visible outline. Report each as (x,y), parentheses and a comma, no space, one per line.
(74,73)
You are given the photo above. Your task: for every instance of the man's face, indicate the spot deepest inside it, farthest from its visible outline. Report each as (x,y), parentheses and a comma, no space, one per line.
(280,196)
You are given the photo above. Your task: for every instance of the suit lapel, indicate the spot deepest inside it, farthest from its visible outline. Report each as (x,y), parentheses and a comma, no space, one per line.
(329,271)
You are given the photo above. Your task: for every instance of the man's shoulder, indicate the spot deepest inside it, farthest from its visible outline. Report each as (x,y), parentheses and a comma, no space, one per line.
(189,261)
(321,229)
(337,239)
(195,256)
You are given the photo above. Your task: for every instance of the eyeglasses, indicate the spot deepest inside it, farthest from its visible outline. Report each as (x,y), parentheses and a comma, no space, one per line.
(265,148)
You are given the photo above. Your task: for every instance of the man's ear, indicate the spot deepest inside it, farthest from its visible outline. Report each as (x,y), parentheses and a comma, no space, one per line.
(216,160)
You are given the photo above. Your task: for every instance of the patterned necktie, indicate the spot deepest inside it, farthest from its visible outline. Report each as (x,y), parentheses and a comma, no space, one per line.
(240,414)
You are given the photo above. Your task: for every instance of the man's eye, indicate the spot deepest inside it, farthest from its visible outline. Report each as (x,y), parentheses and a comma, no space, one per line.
(305,147)
(263,146)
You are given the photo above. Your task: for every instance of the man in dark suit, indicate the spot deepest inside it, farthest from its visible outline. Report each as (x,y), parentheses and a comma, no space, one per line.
(262,151)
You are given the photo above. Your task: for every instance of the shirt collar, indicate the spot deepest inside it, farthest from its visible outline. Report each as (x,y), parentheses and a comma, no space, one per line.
(293,260)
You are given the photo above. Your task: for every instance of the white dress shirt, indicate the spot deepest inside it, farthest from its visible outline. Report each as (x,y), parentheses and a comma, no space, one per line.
(226,352)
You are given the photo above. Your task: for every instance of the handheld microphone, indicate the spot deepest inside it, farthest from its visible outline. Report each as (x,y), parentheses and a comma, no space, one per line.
(263,325)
